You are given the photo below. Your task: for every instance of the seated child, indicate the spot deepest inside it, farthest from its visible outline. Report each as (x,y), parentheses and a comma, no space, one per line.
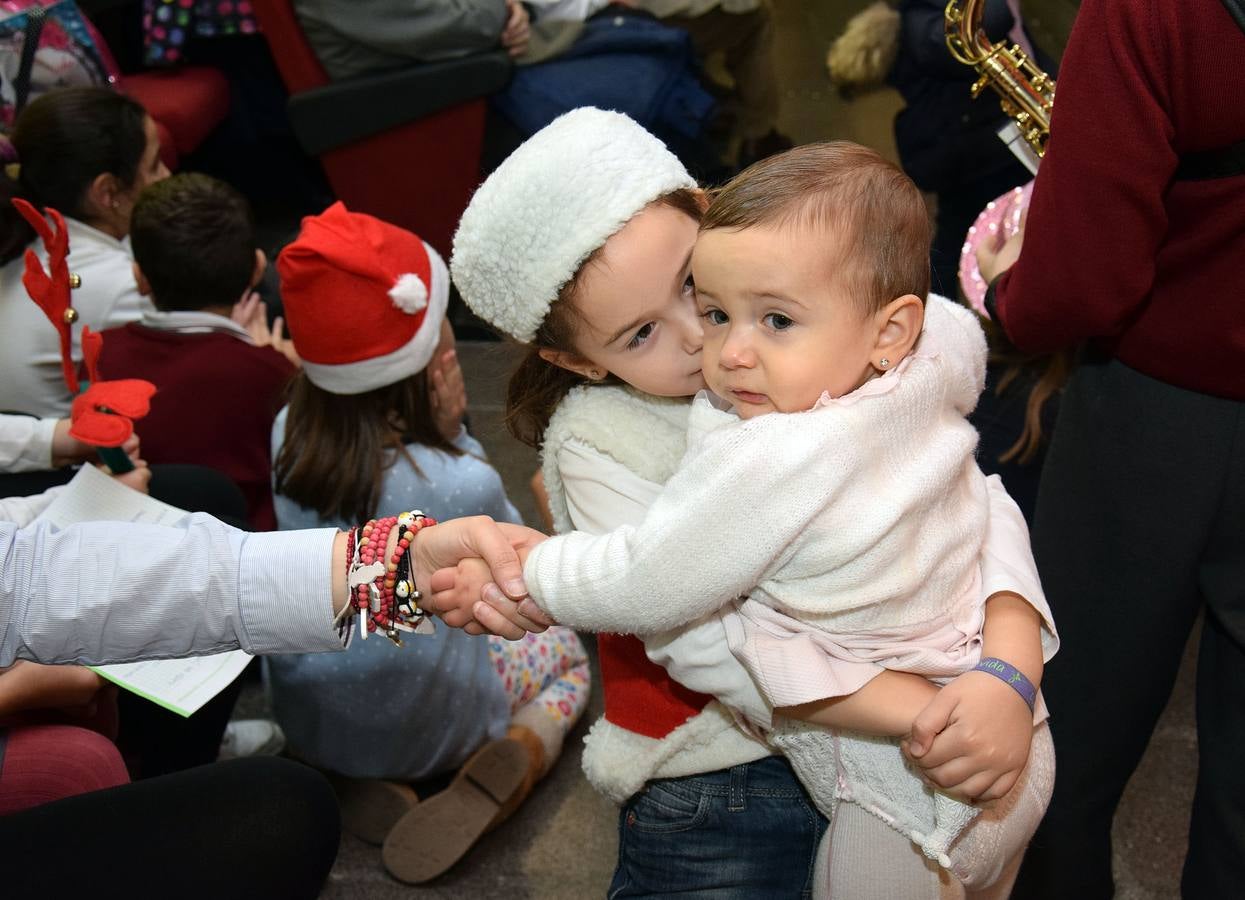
(374,424)
(833,483)
(218,389)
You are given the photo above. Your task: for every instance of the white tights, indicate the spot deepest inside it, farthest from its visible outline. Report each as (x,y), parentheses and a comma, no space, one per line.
(863,858)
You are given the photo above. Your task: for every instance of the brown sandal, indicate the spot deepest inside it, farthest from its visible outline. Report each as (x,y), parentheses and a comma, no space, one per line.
(438,832)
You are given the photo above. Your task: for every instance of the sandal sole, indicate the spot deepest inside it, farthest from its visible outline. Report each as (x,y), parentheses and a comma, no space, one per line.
(438,832)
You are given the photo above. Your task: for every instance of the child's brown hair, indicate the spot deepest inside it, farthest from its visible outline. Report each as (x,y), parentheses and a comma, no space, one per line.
(338,447)
(537,386)
(876,210)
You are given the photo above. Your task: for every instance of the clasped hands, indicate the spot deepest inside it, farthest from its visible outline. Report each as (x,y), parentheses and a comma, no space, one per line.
(470,573)
(971,740)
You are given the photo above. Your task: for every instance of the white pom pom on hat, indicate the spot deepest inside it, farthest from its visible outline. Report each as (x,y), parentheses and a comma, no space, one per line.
(553,202)
(364,300)
(409,293)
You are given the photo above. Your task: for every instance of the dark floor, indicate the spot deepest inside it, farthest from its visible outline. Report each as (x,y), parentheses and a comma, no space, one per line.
(561,845)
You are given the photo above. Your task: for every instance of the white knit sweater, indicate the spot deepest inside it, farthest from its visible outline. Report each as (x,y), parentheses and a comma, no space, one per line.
(865,516)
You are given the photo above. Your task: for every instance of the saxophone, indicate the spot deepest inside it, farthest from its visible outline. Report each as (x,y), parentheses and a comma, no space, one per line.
(1026,93)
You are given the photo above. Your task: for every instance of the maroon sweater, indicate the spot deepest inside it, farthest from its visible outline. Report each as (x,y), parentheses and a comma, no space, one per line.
(1150,268)
(216,397)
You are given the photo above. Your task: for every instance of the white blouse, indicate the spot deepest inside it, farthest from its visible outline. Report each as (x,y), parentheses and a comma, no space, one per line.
(30,360)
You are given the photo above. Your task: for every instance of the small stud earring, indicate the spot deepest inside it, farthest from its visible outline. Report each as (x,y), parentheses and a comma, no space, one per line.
(883,363)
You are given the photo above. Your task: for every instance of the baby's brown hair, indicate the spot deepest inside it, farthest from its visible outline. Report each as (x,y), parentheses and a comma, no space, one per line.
(875,208)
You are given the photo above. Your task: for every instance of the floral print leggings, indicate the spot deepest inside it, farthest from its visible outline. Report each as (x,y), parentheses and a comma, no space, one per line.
(549,670)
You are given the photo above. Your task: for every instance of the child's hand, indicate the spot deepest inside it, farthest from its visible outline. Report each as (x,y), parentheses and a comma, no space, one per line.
(973,739)
(251,314)
(138,478)
(997,254)
(67,450)
(517,33)
(449,394)
(466,597)
(282,344)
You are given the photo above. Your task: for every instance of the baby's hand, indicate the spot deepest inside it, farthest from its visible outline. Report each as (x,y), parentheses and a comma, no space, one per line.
(973,739)
(466,597)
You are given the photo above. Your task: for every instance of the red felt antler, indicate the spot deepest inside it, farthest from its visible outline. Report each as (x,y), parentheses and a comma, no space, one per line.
(50,290)
(103,415)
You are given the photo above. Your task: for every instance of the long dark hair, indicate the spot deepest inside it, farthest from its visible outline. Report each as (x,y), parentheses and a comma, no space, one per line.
(65,139)
(337,448)
(537,387)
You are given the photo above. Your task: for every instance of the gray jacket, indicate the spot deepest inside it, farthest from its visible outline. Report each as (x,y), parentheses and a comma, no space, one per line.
(352,37)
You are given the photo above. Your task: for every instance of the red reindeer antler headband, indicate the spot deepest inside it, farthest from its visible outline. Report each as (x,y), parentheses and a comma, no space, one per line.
(103,415)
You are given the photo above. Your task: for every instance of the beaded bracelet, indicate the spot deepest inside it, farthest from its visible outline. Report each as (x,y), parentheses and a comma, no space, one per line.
(382,593)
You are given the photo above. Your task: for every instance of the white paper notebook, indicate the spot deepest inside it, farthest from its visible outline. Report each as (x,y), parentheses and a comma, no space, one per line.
(182,685)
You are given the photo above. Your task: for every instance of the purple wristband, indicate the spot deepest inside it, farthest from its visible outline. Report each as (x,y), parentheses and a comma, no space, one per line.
(1009,674)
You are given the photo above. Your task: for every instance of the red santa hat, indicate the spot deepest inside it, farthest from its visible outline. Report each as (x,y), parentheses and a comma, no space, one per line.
(364,300)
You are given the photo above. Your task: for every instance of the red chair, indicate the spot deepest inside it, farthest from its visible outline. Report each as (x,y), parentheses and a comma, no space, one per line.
(404,145)
(186,103)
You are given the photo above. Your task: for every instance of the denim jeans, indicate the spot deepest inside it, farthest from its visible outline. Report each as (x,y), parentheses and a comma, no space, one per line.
(745,833)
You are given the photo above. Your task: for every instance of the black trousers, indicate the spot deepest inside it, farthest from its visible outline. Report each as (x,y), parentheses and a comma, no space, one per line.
(246,828)
(1140,525)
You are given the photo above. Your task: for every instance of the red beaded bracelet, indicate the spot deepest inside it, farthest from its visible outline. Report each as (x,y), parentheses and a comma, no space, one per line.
(382,592)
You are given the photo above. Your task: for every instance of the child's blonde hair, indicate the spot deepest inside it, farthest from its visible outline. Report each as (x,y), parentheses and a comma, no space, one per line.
(878,213)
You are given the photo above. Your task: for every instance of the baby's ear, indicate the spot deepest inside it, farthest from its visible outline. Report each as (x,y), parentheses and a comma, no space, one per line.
(899,326)
(140,280)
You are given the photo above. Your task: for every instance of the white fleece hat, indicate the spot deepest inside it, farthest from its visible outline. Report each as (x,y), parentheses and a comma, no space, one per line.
(544,210)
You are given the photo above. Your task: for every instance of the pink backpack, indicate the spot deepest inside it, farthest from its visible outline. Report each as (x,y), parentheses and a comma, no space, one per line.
(45,46)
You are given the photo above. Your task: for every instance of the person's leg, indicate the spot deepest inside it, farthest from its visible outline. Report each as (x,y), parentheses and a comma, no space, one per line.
(1130,487)
(746,833)
(547,679)
(869,860)
(986,857)
(247,828)
(44,763)
(155,741)
(1215,865)
(747,40)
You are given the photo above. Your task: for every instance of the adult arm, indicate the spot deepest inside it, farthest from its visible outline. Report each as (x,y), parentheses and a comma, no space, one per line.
(925,36)
(29,686)
(106,592)
(21,511)
(416,29)
(26,443)
(1082,276)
